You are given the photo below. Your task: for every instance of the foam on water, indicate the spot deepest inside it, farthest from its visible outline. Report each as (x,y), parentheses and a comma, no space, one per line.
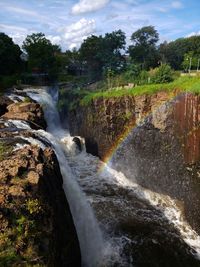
(20,124)
(16,98)
(92,181)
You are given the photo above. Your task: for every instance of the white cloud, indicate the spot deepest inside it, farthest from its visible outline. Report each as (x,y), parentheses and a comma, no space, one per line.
(74,34)
(177,4)
(54,39)
(193,34)
(84,6)
(18,34)
(18,38)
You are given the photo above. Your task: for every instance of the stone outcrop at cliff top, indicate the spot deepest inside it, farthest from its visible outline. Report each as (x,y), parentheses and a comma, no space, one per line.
(153,139)
(36,226)
(31,112)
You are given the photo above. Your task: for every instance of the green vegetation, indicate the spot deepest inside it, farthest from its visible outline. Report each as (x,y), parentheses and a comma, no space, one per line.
(33,206)
(9,56)
(11,63)
(41,54)
(162,74)
(5,150)
(99,58)
(27,99)
(70,99)
(19,244)
(189,84)
(143,51)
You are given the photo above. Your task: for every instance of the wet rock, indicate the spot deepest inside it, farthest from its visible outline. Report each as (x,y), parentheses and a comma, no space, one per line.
(4,103)
(35,221)
(36,226)
(31,112)
(77,141)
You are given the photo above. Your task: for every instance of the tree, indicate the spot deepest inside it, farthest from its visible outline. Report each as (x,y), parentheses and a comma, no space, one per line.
(191,61)
(9,56)
(75,66)
(101,53)
(91,54)
(41,54)
(113,44)
(143,50)
(175,52)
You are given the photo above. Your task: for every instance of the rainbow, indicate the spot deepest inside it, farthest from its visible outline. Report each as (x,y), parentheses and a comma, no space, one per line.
(171,97)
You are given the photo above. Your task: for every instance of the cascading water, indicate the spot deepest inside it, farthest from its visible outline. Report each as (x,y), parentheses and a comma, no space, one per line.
(89,234)
(117,221)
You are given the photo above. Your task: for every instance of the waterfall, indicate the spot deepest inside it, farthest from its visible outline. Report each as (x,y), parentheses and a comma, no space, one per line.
(88,231)
(106,207)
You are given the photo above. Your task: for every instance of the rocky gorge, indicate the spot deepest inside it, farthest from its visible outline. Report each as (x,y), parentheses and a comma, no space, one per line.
(121,190)
(153,139)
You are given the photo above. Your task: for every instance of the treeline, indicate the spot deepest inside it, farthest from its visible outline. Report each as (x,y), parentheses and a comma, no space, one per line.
(37,58)
(97,56)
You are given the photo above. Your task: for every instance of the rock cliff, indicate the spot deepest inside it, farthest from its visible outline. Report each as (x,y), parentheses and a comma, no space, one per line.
(153,139)
(36,226)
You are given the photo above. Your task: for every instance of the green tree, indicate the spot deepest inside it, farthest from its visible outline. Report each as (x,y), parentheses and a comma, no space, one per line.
(91,53)
(75,66)
(9,56)
(41,54)
(190,61)
(101,53)
(174,53)
(143,50)
(113,45)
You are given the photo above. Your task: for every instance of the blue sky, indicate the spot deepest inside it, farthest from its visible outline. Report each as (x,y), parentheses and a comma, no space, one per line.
(69,22)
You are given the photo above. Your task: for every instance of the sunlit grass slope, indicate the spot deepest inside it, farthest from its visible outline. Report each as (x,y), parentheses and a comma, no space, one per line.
(187,84)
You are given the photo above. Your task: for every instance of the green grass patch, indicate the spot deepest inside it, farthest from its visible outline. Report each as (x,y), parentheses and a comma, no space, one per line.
(183,84)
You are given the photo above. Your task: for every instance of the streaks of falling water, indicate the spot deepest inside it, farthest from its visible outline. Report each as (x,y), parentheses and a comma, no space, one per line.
(89,235)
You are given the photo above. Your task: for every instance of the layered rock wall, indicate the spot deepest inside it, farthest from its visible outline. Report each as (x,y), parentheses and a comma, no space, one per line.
(153,139)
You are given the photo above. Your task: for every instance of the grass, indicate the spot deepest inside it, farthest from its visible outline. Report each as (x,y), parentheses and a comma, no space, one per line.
(182,84)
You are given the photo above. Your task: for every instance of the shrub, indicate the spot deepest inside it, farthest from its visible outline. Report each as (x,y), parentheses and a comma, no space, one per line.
(143,77)
(163,74)
(132,73)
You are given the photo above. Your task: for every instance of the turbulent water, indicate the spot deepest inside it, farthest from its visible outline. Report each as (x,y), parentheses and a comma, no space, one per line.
(118,222)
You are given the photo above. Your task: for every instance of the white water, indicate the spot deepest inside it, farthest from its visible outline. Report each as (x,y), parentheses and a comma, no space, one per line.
(89,234)
(109,194)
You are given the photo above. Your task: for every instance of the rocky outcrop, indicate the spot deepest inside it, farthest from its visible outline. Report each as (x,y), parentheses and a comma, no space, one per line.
(4,103)
(30,112)
(36,226)
(153,139)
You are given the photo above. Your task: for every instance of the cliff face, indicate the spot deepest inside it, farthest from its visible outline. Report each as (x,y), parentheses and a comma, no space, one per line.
(36,226)
(157,139)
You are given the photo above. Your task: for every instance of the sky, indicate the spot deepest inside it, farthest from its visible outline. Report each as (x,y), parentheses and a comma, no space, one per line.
(69,22)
